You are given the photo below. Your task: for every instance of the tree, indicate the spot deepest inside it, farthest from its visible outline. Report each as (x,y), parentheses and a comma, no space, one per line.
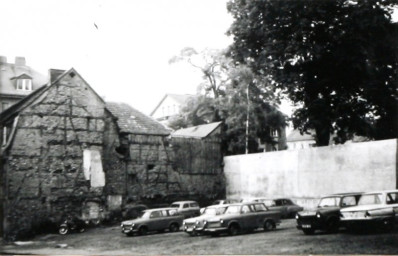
(337,60)
(223,97)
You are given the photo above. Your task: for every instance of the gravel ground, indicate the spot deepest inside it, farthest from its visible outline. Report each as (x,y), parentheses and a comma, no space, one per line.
(286,239)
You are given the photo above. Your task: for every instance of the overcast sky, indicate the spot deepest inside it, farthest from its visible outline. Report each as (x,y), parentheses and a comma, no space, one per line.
(121,47)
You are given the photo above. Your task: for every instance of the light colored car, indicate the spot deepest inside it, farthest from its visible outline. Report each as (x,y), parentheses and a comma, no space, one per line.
(188,209)
(158,219)
(242,217)
(195,226)
(377,209)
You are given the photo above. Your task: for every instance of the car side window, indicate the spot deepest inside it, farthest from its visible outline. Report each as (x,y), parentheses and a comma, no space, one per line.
(348,201)
(185,206)
(278,202)
(392,198)
(259,208)
(173,212)
(245,209)
(156,214)
(288,202)
(194,205)
(164,213)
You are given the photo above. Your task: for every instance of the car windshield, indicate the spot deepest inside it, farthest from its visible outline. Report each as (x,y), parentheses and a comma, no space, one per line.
(174,205)
(329,202)
(233,209)
(370,199)
(214,211)
(145,215)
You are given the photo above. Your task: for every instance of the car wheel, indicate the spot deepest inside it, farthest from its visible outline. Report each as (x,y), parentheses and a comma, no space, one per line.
(173,227)
(308,231)
(63,230)
(269,225)
(143,231)
(233,229)
(332,226)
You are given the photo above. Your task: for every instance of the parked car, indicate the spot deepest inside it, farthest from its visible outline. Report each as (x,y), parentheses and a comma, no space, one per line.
(327,215)
(188,209)
(374,210)
(242,217)
(286,206)
(195,226)
(220,202)
(158,219)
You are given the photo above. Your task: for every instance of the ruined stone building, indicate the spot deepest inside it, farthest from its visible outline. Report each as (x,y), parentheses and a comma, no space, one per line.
(17,80)
(66,151)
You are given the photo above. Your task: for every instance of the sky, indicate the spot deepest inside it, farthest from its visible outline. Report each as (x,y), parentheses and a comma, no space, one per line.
(121,48)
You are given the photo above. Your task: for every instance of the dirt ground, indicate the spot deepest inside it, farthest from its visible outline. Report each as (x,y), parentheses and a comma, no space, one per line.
(286,239)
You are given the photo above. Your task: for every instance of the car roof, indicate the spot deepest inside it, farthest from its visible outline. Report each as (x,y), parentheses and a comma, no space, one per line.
(159,209)
(382,191)
(218,206)
(181,202)
(344,194)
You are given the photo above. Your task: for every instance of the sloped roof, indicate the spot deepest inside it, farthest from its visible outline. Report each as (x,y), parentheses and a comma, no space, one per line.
(180,98)
(11,71)
(200,131)
(131,120)
(296,136)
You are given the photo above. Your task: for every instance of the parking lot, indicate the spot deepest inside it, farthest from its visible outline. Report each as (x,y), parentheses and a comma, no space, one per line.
(286,239)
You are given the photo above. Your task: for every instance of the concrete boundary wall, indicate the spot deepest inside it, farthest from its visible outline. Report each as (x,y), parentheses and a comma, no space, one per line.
(306,175)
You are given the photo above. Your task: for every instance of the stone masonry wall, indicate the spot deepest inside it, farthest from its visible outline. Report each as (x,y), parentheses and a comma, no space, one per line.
(44,164)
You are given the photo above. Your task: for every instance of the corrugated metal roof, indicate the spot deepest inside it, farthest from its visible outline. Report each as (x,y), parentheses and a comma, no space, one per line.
(296,136)
(131,120)
(200,131)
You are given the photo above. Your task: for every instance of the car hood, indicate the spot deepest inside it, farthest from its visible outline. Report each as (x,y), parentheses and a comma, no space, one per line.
(199,218)
(363,207)
(134,221)
(323,210)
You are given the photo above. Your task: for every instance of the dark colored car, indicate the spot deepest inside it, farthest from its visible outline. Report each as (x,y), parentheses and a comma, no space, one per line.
(286,206)
(242,217)
(158,219)
(327,215)
(133,211)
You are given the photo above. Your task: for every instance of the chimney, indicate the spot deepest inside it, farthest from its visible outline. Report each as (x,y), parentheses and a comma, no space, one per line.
(3,59)
(20,61)
(53,74)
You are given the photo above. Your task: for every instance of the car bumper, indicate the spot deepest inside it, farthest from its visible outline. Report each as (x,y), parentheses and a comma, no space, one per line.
(215,230)
(366,222)
(310,223)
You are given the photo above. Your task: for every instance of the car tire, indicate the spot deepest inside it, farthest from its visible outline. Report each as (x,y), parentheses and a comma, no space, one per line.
(143,231)
(308,231)
(269,225)
(233,229)
(63,230)
(173,227)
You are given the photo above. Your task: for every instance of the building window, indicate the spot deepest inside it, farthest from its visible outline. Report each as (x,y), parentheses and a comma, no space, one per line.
(24,84)
(274,133)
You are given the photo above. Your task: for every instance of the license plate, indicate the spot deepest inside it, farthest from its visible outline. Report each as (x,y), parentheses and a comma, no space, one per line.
(306,226)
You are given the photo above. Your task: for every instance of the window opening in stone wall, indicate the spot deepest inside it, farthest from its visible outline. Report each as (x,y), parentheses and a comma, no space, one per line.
(92,166)
(4,136)
(149,167)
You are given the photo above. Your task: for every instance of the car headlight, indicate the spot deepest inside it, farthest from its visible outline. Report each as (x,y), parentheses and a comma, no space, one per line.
(121,225)
(318,215)
(221,221)
(183,223)
(197,222)
(205,222)
(297,216)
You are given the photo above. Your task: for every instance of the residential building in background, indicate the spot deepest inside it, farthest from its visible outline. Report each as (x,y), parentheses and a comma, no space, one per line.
(170,106)
(17,80)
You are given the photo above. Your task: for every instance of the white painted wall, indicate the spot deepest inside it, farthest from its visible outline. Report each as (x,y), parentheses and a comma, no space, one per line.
(306,175)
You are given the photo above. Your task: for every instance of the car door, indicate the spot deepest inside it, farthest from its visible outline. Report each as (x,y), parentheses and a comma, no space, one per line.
(154,220)
(392,199)
(248,217)
(261,214)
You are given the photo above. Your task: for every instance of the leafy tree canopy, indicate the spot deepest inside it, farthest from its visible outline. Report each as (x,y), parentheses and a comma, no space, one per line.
(223,96)
(336,59)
